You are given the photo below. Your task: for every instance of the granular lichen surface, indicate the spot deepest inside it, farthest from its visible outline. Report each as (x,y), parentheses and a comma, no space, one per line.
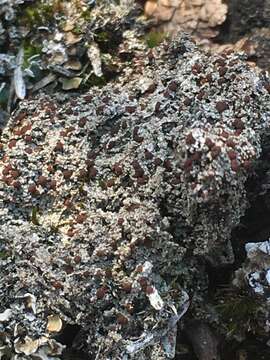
(112,200)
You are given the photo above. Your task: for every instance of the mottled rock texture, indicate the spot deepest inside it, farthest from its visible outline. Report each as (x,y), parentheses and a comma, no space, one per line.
(122,193)
(197,17)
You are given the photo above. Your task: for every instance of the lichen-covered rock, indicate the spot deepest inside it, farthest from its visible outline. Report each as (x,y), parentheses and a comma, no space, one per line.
(112,201)
(256,272)
(244,307)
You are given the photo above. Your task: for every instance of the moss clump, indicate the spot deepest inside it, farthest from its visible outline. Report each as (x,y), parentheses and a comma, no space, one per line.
(4,255)
(40,13)
(86,15)
(30,49)
(4,94)
(108,40)
(94,80)
(154,38)
(34,216)
(237,312)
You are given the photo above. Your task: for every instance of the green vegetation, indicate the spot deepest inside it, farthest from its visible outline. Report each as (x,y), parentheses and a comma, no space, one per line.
(39,13)
(94,80)
(154,38)
(4,255)
(86,15)
(30,50)
(4,94)
(34,216)
(237,312)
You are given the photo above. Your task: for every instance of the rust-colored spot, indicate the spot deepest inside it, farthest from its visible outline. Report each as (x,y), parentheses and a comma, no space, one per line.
(101,292)
(143,281)
(12,143)
(230,143)
(67,174)
(32,189)
(82,122)
(122,320)
(57,285)
(92,172)
(167,165)
(16,184)
(142,180)
(80,219)
(130,109)
(187,164)
(42,180)
(215,151)
(59,146)
(187,101)
(77,259)
(235,165)
(196,69)
(190,139)
(222,106)
(52,184)
(7,169)
(28,150)
(173,85)
(117,169)
(149,290)
(238,124)
(222,70)
(126,286)
(232,154)
(28,138)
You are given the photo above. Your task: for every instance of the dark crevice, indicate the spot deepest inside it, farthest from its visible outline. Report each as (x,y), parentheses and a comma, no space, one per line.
(67,337)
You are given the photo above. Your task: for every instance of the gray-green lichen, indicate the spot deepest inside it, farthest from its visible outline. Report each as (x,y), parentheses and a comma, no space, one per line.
(112,201)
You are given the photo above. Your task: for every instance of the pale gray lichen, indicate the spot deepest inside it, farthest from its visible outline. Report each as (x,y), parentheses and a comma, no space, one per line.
(255,273)
(122,193)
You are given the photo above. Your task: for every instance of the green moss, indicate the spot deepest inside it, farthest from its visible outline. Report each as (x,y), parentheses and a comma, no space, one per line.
(86,15)
(78,29)
(238,312)
(94,80)
(29,51)
(34,216)
(103,36)
(154,38)
(4,94)
(3,255)
(39,13)
(108,39)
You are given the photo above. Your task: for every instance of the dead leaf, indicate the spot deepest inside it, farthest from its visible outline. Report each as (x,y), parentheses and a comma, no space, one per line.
(69,84)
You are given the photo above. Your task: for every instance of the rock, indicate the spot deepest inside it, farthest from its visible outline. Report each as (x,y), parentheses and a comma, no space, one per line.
(245,15)
(203,340)
(196,17)
(113,200)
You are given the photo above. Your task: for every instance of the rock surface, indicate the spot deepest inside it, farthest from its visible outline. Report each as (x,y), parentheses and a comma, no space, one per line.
(197,17)
(112,202)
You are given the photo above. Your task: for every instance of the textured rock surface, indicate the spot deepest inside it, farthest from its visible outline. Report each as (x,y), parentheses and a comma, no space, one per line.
(245,15)
(112,201)
(197,17)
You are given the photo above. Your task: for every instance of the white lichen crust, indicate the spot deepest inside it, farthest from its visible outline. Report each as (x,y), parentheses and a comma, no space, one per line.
(112,200)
